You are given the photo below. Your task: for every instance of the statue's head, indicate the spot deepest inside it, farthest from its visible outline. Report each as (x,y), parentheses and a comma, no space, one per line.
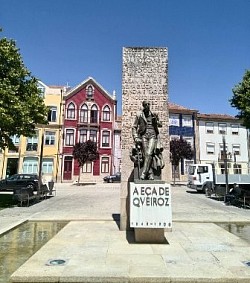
(146,105)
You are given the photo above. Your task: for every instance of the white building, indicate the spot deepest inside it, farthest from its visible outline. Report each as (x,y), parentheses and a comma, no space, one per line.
(212,129)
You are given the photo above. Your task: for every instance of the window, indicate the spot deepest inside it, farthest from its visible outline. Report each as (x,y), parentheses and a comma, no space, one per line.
(105,139)
(52,114)
(84,114)
(235,129)
(90,91)
(32,143)
(237,169)
(30,165)
(41,89)
(16,142)
(189,140)
(209,128)
(47,165)
(236,149)
(15,139)
(87,167)
(106,113)
(82,135)
(210,148)
(174,120)
(222,154)
(105,165)
(50,138)
(202,169)
(69,141)
(71,111)
(187,121)
(222,168)
(222,128)
(93,135)
(94,114)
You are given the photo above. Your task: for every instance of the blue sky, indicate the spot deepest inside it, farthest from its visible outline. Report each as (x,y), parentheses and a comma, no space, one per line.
(69,40)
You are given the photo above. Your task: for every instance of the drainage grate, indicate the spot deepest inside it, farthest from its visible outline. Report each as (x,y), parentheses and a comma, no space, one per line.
(53,262)
(247,263)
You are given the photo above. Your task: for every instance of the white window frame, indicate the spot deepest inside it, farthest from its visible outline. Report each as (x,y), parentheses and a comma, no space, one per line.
(81,135)
(47,165)
(106,113)
(15,139)
(222,150)
(209,147)
(187,121)
(32,141)
(95,139)
(52,114)
(30,163)
(66,137)
(90,91)
(235,129)
(209,127)
(222,128)
(84,110)
(105,164)
(94,109)
(236,149)
(51,138)
(41,90)
(174,120)
(87,167)
(189,140)
(71,110)
(106,139)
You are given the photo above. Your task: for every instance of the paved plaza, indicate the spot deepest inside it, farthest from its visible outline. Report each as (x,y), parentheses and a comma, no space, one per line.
(95,250)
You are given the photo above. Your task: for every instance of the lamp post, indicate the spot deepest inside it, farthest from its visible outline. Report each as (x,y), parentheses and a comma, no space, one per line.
(40,164)
(225,165)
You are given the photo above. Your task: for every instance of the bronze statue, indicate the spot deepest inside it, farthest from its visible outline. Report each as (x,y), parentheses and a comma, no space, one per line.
(146,137)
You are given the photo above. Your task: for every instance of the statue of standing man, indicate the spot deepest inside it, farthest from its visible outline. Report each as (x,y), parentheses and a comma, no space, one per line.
(145,134)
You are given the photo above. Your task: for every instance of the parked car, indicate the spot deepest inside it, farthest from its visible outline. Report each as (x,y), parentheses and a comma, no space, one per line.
(113,178)
(19,181)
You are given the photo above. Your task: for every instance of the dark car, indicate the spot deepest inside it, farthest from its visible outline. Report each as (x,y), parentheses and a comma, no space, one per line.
(113,178)
(19,181)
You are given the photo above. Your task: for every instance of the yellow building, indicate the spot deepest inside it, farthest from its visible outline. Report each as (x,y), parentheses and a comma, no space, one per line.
(42,151)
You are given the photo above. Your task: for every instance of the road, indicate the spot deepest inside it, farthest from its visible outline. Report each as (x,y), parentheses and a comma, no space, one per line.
(102,202)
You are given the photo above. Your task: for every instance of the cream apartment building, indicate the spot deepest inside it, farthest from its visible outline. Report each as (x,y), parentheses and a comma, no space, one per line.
(211,130)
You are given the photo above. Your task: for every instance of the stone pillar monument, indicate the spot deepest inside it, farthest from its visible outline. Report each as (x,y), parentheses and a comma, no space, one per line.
(144,77)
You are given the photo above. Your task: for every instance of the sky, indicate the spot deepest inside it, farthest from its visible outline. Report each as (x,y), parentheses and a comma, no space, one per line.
(66,41)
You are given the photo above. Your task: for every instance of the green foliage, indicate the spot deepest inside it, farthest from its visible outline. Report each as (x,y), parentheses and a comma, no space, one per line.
(179,149)
(85,151)
(241,99)
(21,106)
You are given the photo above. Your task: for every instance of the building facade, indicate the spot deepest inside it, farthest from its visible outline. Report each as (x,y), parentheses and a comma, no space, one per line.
(212,129)
(117,145)
(89,114)
(39,153)
(182,124)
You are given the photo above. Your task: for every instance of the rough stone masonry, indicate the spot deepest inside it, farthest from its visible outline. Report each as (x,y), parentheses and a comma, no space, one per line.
(144,77)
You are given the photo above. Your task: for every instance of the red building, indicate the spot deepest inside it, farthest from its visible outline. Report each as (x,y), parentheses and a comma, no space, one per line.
(89,114)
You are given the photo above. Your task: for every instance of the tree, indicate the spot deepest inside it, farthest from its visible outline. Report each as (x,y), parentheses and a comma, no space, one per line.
(179,149)
(85,151)
(241,99)
(21,105)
